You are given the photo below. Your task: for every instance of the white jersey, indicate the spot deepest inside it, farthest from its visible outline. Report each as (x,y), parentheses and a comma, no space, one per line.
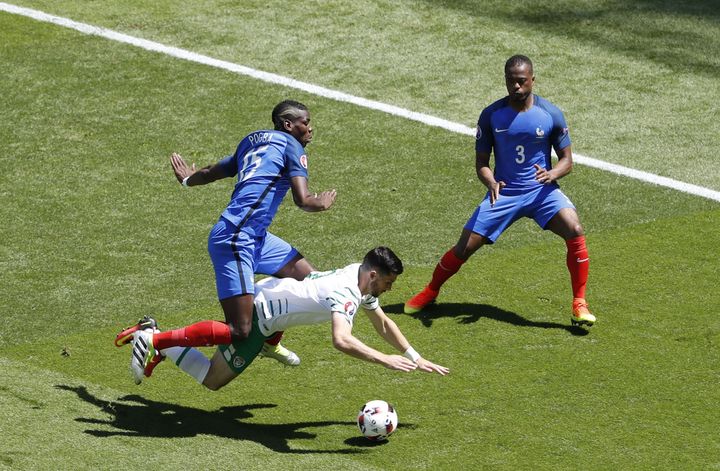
(281,303)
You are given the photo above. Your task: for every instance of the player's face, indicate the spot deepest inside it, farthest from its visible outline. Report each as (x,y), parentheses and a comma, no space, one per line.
(381,283)
(519,81)
(300,128)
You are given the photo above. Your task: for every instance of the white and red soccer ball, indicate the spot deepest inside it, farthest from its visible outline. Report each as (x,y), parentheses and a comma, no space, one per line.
(377,420)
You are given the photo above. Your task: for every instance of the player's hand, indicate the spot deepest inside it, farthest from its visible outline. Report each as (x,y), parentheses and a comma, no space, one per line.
(180,168)
(431,367)
(400,363)
(542,175)
(495,192)
(326,198)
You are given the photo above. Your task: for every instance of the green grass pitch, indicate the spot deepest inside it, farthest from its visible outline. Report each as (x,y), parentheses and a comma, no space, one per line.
(96,232)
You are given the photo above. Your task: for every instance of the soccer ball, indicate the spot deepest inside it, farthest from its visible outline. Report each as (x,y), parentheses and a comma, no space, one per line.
(377,419)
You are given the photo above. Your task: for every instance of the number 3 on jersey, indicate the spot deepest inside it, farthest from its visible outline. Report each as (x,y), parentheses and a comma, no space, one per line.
(521,154)
(251,162)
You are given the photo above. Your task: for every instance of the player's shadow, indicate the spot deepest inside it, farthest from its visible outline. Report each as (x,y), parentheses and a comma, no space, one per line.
(467,313)
(135,416)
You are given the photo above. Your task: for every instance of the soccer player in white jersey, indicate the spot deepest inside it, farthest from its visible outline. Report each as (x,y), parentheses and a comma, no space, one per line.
(282,303)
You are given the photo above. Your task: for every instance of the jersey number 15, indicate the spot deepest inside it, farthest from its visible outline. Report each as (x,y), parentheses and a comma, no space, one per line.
(251,162)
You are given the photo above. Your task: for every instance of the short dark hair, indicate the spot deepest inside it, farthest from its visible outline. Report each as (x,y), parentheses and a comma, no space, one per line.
(518,60)
(286,110)
(383,260)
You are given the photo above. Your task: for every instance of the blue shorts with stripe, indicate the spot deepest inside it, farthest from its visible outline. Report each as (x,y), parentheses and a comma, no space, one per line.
(540,204)
(237,256)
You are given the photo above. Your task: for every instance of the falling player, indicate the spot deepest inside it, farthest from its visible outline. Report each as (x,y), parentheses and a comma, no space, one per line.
(279,304)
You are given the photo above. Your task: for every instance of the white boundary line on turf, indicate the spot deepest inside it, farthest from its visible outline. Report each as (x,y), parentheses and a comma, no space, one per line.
(337,95)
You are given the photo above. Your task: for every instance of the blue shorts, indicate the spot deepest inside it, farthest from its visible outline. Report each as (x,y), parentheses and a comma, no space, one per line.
(237,256)
(540,204)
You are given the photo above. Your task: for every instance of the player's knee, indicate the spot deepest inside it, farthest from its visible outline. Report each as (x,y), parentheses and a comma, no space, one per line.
(465,251)
(213,386)
(297,268)
(239,333)
(214,380)
(577,230)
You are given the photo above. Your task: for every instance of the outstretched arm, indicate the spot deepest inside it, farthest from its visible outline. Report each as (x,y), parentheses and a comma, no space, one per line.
(344,341)
(388,329)
(189,176)
(307,201)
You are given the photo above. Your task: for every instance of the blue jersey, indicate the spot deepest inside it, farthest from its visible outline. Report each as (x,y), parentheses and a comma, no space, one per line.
(521,139)
(264,162)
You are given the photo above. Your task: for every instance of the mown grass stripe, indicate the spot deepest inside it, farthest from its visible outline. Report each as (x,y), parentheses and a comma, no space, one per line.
(338,95)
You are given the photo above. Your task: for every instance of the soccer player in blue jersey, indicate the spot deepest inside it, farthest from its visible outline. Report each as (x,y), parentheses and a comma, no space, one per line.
(520,129)
(267,163)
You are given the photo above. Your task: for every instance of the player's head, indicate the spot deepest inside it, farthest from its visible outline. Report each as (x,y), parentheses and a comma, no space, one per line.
(519,77)
(383,267)
(293,118)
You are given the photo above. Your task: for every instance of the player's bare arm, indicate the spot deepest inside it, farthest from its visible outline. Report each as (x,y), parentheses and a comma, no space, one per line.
(487,177)
(388,330)
(195,177)
(563,167)
(311,202)
(344,341)
(565,162)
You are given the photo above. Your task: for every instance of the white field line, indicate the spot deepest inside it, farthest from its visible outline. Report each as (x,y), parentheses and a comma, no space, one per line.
(337,95)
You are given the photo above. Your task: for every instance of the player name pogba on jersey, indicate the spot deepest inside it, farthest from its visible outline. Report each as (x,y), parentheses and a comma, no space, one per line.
(260,137)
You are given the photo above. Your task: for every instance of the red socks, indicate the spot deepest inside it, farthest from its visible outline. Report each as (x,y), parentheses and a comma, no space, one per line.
(449,265)
(578,263)
(200,334)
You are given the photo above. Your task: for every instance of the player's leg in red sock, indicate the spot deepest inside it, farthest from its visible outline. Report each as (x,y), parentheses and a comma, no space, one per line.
(451,262)
(448,265)
(195,335)
(578,263)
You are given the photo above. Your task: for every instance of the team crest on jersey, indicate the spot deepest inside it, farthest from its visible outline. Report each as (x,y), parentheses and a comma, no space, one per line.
(349,308)
(539,132)
(238,362)
(303,160)
(478,133)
